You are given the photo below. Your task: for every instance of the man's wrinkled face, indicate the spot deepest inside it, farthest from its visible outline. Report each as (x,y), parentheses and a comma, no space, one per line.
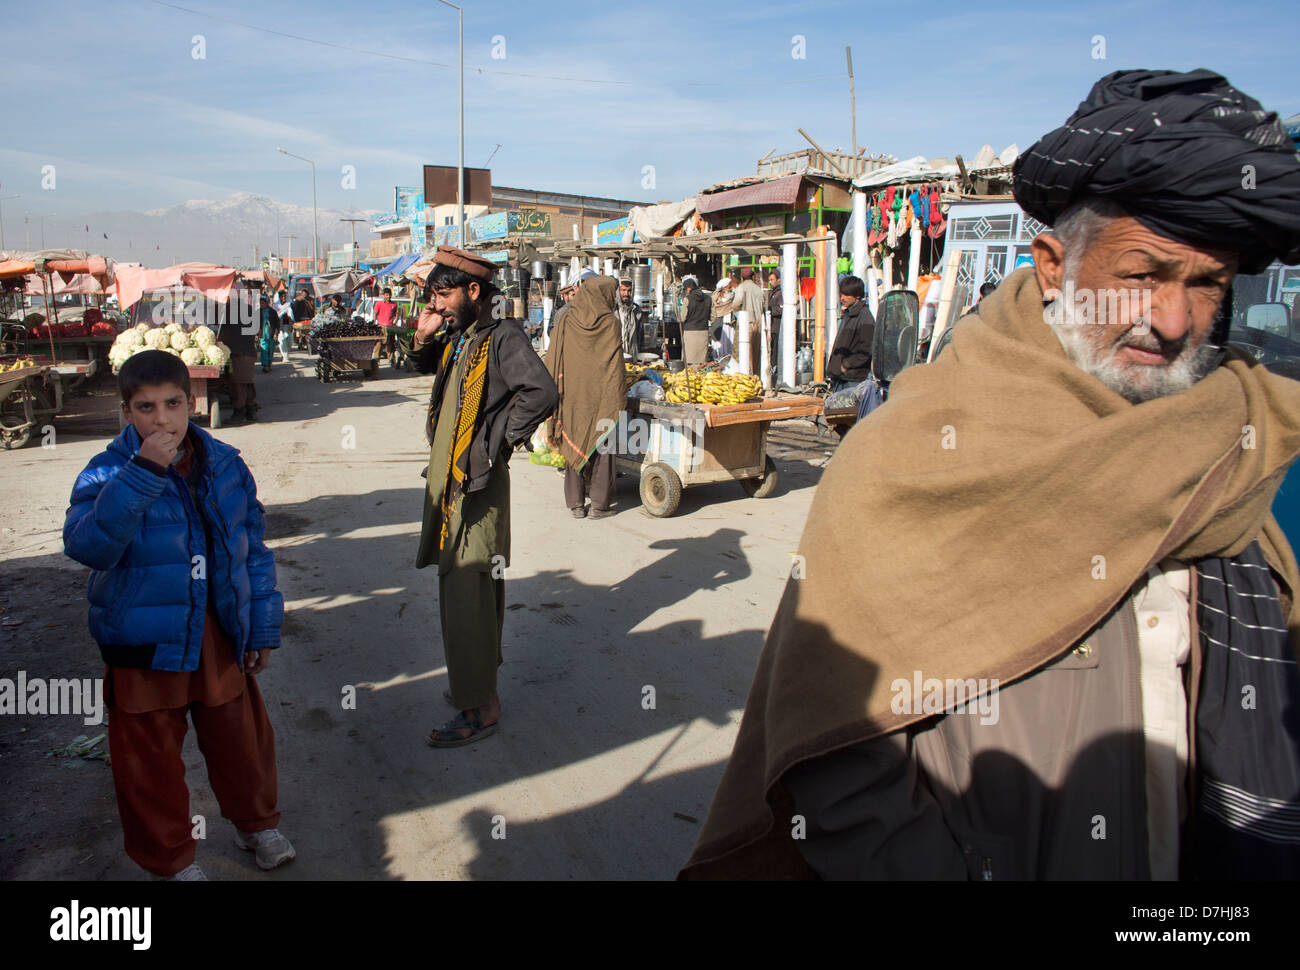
(1137,310)
(458,303)
(847,301)
(625,291)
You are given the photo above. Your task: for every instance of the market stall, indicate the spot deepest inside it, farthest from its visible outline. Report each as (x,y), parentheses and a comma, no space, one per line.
(710,427)
(63,328)
(179,310)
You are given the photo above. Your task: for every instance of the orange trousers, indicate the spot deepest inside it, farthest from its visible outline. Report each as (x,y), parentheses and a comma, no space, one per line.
(153,801)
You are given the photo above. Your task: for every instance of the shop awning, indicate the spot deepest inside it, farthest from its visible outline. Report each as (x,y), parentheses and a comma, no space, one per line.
(342,282)
(908,170)
(781,192)
(399,265)
(213,281)
(64,264)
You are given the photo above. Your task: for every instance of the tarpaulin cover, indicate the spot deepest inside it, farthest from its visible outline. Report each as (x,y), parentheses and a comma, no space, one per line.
(213,281)
(399,265)
(647,221)
(81,283)
(782,191)
(269,281)
(342,282)
(909,170)
(420,271)
(61,263)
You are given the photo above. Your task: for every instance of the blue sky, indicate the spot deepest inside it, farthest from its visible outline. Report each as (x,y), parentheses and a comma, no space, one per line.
(112,96)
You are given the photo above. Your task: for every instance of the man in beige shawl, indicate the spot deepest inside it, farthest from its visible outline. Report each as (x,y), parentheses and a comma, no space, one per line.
(1069,648)
(585,359)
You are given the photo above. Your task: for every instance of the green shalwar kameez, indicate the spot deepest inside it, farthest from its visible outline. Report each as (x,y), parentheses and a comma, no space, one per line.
(471,583)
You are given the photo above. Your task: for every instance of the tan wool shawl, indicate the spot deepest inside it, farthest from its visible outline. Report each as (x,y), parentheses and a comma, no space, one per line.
(585,359)
(979,524)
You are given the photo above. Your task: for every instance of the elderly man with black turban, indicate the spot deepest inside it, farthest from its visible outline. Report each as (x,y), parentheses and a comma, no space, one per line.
(1070,651)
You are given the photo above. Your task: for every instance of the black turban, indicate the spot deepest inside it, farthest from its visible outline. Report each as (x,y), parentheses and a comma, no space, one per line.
(1172,150)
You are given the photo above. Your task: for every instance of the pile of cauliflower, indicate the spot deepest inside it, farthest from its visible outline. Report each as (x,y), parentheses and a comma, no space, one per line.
(196,348)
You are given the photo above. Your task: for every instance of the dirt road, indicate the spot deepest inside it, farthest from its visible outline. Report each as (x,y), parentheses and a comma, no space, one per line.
(582,782)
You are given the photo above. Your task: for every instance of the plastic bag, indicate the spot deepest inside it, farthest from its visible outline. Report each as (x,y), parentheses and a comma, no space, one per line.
(646,391)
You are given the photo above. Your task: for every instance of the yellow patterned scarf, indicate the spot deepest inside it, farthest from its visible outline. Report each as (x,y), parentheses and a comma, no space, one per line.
(467,418)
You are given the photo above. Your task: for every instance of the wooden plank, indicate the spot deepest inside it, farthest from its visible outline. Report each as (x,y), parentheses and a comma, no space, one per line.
(767,409)
(727,453)
(949,284)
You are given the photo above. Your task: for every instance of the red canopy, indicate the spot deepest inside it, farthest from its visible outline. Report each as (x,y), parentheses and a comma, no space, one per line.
(213,281)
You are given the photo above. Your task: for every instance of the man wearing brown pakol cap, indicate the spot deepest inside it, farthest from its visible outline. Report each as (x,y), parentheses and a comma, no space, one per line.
(1070,650)
(490,392)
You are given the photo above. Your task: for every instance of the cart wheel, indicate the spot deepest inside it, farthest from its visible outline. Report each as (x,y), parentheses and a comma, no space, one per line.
(661,490)
(764,486)
(214,416)
(374,369)
(20,439)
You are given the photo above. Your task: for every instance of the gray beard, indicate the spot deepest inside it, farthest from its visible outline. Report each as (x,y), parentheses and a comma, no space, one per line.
(1135,383)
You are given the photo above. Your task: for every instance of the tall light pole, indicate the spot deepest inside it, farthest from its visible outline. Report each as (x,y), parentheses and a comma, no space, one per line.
(460,160)
(353,227)
(2,217)
(315,226)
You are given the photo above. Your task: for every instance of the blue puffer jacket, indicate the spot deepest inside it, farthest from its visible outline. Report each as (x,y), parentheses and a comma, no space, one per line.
(141,535)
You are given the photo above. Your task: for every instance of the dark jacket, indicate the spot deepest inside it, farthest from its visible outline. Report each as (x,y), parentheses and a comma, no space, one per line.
(775,308)
(698,309)
(138,528)
(851,355)
(519,396)
(555,317)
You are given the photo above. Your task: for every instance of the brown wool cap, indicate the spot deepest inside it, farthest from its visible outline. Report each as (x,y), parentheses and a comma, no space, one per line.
(475,266)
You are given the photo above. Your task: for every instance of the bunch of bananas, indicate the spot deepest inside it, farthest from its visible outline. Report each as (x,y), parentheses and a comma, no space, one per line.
(711,387)
(17,364)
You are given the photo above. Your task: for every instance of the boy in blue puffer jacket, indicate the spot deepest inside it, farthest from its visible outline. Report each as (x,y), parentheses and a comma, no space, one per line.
(184,607)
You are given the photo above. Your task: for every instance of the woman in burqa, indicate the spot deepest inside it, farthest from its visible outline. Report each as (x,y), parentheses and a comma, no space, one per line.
(585,359)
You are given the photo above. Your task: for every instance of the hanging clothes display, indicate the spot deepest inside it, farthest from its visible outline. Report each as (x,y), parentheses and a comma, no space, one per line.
(937,222)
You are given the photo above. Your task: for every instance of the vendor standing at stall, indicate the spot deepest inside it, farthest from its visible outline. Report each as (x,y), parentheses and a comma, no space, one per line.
(586,361)
(695,323)
(631,319)
(242,341)
(490,394)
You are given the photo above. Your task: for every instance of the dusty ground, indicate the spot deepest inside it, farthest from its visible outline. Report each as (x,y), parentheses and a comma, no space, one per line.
(590,785)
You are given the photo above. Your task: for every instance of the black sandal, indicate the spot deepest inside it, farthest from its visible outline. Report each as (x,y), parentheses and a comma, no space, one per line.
(446,736)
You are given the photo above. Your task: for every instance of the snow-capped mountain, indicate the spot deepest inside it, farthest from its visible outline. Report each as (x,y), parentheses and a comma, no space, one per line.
(221,231)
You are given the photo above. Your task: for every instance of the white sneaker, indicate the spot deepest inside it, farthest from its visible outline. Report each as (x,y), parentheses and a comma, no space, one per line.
(268,846)
(191,873)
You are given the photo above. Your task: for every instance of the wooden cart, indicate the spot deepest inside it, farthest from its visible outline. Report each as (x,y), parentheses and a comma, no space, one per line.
(26,395)
(346,355)
(675,446)
(205,398)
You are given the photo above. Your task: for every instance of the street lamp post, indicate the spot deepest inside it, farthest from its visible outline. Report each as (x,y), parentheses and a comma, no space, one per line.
(315,226)
(460,161)
(2,217)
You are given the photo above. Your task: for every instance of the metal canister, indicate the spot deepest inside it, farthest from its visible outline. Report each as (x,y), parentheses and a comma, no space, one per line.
(641,293)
